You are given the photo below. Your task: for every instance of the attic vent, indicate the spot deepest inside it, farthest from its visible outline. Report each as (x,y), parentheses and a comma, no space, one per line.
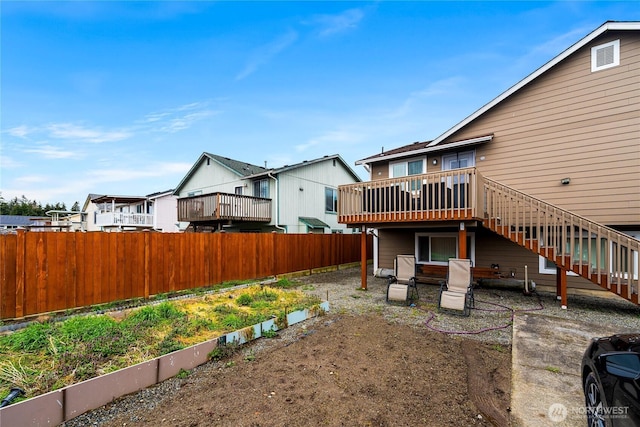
(605,56)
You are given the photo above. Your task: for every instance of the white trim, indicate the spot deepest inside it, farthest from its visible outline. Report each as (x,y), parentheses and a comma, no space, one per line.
(607,26)
(615,60)
(457,144)
(542,267)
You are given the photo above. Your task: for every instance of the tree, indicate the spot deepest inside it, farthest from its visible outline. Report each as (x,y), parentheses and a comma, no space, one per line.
(26,207)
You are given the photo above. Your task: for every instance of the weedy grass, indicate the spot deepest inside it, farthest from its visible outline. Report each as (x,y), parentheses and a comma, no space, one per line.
(47,356)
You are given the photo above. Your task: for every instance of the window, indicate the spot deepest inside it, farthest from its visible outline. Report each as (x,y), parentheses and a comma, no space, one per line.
(238,190)
(437,248)
(410,167)
(605,56)
(261,188)
(406,168)
(194,193)
(330,200)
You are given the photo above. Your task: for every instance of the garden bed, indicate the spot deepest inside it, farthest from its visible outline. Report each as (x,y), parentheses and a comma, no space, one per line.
(47,356)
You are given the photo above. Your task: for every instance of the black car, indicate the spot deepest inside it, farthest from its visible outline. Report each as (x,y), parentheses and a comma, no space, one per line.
(611,381)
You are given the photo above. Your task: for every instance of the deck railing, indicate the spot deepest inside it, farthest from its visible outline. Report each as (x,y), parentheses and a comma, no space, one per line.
(442,195)
(224,206)
(124,219)
(606,256)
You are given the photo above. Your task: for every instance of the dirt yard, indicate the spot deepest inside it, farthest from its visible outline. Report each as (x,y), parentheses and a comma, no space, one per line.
(343,370)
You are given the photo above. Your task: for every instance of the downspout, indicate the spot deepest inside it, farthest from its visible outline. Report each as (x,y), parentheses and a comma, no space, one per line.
(284,230)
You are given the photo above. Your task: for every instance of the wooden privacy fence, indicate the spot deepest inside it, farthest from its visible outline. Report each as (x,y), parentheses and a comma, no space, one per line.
(43,271)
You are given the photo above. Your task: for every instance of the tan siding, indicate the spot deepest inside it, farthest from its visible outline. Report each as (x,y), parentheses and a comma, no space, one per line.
(573,123)
(379,171)
(493,249)
(394,242)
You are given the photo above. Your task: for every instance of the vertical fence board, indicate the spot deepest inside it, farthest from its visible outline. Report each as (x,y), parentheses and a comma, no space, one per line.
(42,272)
(58,273)
(8,277)
(71,271)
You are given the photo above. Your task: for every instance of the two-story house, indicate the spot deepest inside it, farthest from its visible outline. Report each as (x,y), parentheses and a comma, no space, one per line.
(222,194)
(545,178)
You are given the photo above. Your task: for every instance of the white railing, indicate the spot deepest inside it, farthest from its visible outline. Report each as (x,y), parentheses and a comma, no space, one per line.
(124,219)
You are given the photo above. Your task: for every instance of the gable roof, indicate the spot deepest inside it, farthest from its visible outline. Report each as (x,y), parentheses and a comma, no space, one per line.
(249,171)
(431,145)
(242,169)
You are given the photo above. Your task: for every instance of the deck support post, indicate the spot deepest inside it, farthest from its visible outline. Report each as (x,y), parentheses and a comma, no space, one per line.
(561,286)
(363,258)
(462,241)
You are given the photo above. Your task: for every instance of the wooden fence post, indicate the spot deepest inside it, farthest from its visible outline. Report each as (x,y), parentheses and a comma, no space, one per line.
(21,253)
(147,270)
(363,258)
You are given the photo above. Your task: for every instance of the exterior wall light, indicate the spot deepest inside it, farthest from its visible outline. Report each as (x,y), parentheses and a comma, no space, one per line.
(565,181)
(434,161)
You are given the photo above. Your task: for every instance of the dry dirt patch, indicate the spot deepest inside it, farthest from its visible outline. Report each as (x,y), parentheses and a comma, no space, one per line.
(342,370)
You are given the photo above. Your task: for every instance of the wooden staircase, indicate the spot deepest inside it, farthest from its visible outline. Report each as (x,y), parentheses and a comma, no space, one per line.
(594,251)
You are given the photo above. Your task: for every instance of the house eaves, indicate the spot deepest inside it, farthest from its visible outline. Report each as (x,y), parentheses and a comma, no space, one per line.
(423,148)
(119,199)
(607,26)
(159,194)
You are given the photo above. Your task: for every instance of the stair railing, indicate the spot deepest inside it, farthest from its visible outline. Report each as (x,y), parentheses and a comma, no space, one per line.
(599,253)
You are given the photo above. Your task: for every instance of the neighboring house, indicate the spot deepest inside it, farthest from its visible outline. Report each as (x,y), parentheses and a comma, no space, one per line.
(164,208)
(545,177)
(222,194)
(156,212)
(51,222)
(12,222)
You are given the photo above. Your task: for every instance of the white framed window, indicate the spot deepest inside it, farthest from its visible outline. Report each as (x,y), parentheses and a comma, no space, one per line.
(437,248)
(407,167)
(605,56)
(330,200)
(261,188)
(238,190)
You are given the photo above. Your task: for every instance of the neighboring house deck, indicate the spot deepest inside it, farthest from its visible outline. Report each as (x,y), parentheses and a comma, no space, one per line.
(543,179)
(223,194)
(156,211)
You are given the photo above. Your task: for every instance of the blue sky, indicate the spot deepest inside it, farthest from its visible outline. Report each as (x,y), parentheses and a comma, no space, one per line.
(123,97)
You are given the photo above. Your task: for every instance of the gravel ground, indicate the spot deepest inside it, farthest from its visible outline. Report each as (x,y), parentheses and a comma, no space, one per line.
(489,323)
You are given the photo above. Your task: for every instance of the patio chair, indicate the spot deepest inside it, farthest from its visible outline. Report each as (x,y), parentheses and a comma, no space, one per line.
(402,285)
(457,292)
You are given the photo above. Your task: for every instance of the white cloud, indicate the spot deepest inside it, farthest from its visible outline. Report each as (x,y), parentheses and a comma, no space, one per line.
(179,118)
(445,87)
(7,162)
(334,24)
(267,52)
(337,138)
(31,179)
(74,132)
(19,131)
(185,122)
(52,152)
(155,170)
